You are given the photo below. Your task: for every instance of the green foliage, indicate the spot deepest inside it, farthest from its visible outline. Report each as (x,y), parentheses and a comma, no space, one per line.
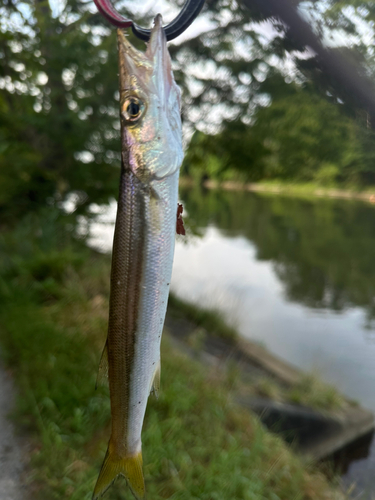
(301,132)
(299,136)
(236,154)
(327,174)
(59,127)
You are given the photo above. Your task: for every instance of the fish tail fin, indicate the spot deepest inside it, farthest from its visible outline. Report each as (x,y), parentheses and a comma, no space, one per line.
(130,467)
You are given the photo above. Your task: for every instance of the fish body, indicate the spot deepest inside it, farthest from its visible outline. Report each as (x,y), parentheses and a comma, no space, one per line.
(143,248)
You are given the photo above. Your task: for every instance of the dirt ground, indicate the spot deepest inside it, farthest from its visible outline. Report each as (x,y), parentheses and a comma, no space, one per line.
(12,456)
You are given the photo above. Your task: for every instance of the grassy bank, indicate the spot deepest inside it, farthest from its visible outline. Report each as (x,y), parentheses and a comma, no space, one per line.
(199,328)
(208,319)
(197,443)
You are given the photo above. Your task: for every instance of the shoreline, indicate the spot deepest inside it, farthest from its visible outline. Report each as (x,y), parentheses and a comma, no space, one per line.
(285,399)
(303,190)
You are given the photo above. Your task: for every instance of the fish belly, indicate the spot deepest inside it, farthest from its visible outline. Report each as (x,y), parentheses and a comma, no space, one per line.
(160,229)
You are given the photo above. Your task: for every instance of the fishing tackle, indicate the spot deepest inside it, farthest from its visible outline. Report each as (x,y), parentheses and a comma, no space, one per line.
(183,20)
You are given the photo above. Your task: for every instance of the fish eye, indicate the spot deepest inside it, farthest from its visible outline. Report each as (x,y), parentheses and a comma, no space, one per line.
(132,109)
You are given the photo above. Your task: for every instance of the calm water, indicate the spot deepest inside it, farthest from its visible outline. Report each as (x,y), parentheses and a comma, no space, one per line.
(296,275)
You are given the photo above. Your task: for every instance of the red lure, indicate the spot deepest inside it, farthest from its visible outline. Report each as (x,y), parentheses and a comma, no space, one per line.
(180,223)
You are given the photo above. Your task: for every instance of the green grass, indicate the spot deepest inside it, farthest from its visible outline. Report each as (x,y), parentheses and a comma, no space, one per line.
(210,320)
(310,391)
(197,444)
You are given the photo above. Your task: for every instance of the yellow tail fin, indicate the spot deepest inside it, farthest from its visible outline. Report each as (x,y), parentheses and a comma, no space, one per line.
(130,467)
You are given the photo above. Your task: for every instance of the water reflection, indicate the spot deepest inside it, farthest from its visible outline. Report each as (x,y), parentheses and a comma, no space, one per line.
(223,272)
(322,250)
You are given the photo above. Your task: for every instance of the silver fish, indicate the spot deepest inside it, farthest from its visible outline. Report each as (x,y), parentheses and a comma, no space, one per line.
(143,248)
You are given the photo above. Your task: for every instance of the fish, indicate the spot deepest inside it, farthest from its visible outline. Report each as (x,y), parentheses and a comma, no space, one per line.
(143,248)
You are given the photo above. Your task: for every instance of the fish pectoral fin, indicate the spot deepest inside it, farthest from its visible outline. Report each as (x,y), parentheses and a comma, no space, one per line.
(155,387)
(130,467)
(102,377)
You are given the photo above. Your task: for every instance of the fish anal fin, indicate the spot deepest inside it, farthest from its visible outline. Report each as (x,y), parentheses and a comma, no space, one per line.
(130,467)
(155,387)
(102,377)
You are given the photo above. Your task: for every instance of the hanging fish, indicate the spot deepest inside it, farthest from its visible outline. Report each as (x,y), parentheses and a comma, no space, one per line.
(143,249)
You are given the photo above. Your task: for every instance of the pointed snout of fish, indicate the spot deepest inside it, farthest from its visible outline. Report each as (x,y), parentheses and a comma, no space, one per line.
(161,61)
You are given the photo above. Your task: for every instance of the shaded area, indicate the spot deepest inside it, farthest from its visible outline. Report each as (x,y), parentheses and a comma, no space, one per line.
(356,451)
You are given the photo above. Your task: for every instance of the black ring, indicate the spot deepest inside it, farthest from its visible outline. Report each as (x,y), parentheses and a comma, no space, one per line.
(189,12)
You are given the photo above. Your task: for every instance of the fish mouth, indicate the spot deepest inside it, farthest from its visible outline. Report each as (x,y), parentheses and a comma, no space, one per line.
(157,51)
(151,69)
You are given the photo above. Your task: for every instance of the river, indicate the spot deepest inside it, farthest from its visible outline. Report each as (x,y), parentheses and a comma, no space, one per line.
(296,275)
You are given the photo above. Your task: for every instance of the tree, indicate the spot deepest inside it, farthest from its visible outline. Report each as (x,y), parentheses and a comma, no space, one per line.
(59,118)
(59,127)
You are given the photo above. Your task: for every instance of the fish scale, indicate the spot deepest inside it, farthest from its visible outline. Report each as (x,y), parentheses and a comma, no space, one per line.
(143,249)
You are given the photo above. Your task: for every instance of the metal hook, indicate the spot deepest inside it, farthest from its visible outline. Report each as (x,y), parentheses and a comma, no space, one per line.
(189,12)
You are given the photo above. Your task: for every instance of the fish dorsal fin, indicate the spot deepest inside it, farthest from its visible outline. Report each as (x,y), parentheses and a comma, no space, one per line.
(155,386)
(102,377)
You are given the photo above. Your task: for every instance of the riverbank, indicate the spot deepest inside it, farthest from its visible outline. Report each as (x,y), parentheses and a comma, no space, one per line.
(197,441)
(309,414)
(293,189)
(253,370)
